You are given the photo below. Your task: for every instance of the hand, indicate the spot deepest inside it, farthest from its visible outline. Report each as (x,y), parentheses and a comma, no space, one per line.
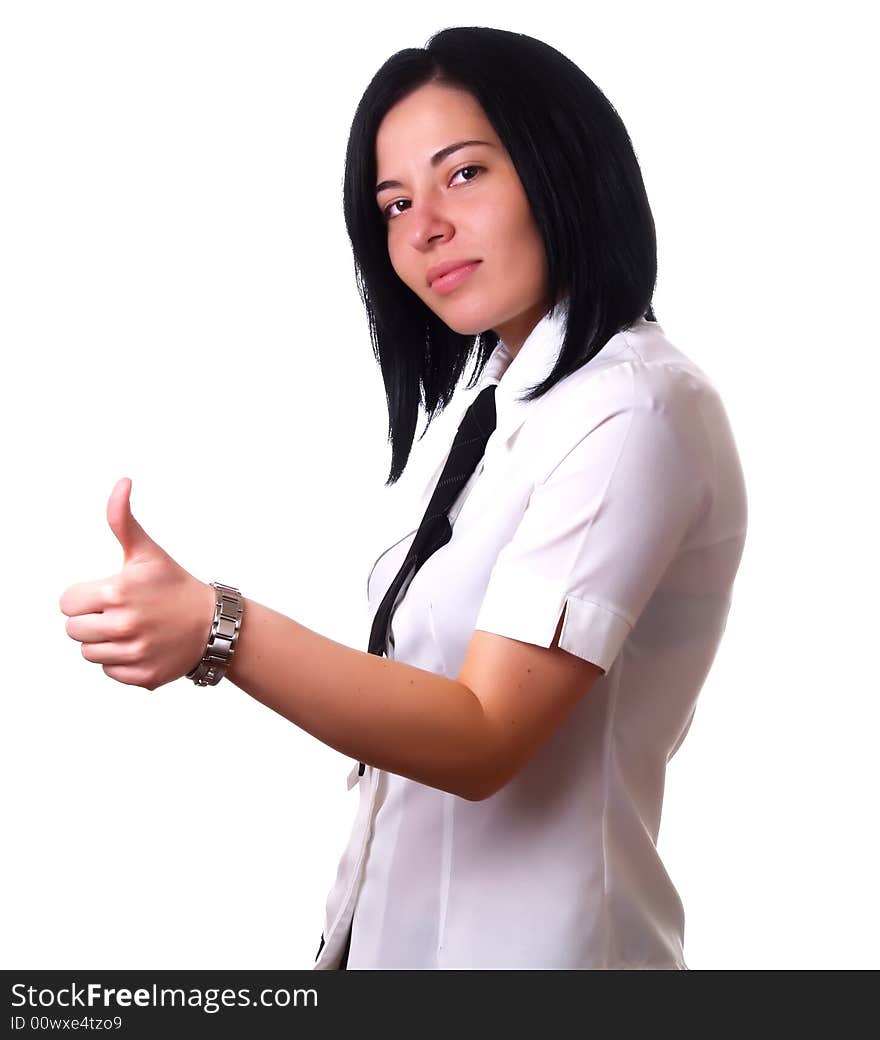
(147,625)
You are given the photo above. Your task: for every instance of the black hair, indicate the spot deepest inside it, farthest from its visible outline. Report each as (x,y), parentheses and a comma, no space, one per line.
(581,177)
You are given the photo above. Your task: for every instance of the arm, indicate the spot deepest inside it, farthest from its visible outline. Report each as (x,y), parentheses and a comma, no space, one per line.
(148,625)
(387,713)
(403,719)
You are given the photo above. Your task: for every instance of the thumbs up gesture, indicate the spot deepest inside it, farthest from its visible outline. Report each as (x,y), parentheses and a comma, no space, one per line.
(148,624)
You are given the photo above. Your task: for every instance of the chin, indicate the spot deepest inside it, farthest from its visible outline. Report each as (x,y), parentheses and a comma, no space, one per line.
(465,324)
(464,329)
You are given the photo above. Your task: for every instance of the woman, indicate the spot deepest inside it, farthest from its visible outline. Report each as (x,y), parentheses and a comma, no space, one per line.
(541,633)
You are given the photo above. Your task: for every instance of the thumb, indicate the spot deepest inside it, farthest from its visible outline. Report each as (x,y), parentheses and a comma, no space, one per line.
(136,543)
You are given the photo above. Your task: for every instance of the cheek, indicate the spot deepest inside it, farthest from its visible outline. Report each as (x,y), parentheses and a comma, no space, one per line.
(405,267)
(531,236)
(396,256)
(521,236)
(532,272)
(538,249)
(511,220)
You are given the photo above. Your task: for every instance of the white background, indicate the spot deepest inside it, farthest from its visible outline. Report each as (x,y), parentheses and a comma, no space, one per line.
(178,306)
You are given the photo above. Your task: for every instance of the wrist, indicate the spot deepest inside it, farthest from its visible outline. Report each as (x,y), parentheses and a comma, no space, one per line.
(217,647)
(205,599)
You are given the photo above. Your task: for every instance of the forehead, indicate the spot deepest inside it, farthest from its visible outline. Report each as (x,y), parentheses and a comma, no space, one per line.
(430,117)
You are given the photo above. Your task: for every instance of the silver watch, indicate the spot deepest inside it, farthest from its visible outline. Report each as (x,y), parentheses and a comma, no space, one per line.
(225,627)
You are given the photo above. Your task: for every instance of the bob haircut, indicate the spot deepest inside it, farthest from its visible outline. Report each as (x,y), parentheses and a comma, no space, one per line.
(581,177)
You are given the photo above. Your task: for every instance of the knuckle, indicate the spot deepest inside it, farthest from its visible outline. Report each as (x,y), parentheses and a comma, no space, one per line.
(138,649)
(133,654)
(125,626)
(128,582)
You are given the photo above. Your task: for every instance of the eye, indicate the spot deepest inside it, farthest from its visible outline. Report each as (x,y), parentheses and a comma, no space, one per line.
(389,212)
(462,170)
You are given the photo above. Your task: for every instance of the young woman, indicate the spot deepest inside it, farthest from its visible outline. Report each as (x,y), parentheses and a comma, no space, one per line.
(543,627)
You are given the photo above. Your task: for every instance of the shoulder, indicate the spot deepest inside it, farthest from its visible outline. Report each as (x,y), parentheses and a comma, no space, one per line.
(638,377)
(640,368)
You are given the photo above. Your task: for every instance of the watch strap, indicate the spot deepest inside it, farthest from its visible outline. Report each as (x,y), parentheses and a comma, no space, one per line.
(225,626)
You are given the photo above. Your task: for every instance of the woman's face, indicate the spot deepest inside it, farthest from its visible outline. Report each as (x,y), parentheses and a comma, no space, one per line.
(468,204)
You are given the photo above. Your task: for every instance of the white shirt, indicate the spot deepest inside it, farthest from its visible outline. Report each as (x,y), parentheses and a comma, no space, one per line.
(617,497)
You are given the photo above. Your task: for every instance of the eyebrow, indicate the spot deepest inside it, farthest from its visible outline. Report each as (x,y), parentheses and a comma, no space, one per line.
(435,160)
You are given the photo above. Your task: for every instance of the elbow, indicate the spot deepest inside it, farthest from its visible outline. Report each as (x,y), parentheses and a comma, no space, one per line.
(474,794)
(491,765)
(484,782)
(481,791)
(492,770)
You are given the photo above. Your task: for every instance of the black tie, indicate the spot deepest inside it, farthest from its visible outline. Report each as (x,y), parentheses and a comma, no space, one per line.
(435,530)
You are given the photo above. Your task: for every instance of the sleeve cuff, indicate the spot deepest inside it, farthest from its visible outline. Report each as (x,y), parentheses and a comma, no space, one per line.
(527,608)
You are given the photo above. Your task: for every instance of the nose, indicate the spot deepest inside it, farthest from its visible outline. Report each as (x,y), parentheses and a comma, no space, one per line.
(428,223)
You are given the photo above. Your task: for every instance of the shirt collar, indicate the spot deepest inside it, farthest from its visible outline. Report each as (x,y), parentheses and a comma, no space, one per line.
(532,363)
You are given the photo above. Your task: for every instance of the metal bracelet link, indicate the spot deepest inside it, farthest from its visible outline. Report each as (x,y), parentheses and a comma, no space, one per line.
(225,626)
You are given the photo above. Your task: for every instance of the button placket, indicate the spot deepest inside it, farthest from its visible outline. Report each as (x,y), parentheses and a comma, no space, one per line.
(346,909)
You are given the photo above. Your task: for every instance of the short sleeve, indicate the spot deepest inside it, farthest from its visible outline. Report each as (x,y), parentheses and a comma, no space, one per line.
(597,535)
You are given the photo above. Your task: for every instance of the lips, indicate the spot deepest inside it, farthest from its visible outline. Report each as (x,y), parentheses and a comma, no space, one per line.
(449,265)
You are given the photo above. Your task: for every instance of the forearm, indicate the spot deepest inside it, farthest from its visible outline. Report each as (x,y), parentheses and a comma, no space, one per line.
(386,713)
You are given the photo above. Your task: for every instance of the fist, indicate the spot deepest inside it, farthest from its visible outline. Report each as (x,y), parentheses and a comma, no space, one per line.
(148,624)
